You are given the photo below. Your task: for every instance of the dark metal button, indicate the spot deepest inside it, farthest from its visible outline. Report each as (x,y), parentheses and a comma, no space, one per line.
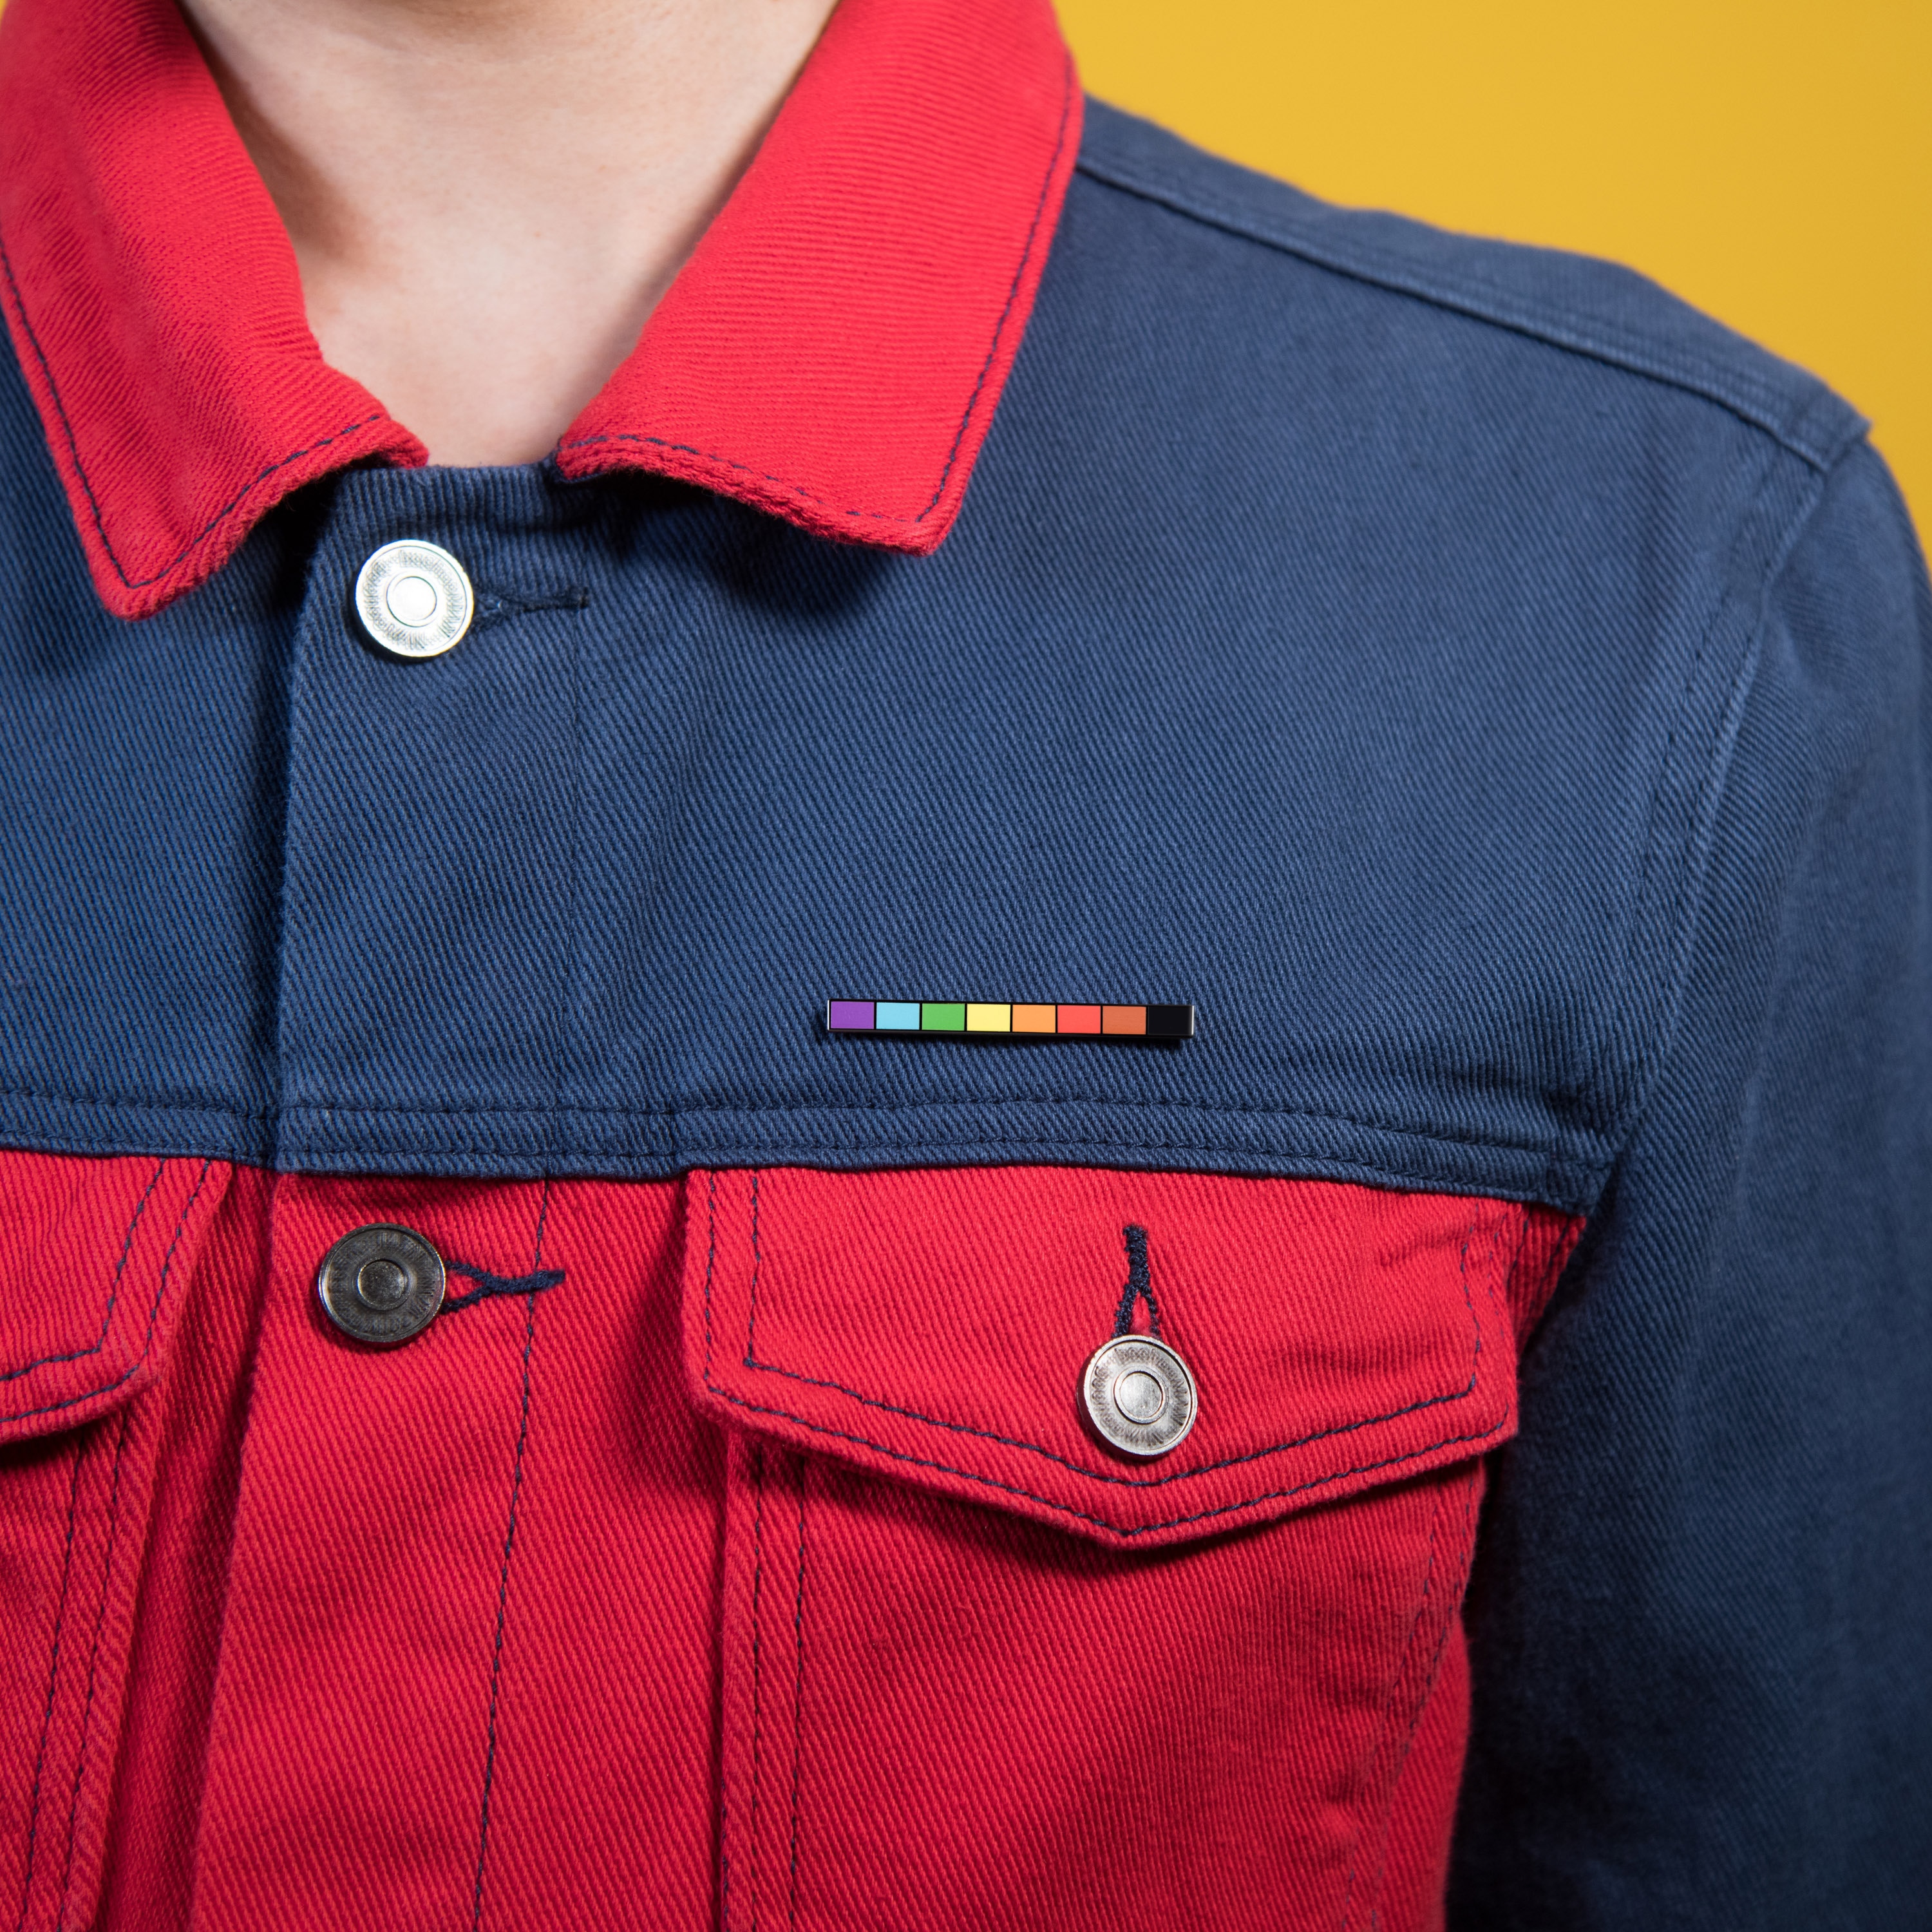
(381,1284)
(415,599)
(1139,1395)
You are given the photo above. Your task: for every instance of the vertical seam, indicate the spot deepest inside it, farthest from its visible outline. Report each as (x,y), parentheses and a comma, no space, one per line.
(710,1260)
(53,1680)
(798,1692)
(93,1670)
(113,1291)
(757,1261)
(1711,779)
(1388,1705)
(67,1556)
(1422,1703)
(570,962)
(758,1585)
(1415,1625)
(503,1580)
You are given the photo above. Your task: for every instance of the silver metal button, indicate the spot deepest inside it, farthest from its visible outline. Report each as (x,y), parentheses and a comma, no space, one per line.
(382,1284)
(1139,1395)
(414,599)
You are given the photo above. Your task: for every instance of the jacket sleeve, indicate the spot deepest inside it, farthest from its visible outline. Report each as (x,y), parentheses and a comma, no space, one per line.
(1701,1620)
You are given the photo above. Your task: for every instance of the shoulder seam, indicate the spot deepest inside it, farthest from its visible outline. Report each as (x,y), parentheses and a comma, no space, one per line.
(1818,430)
(1745,598)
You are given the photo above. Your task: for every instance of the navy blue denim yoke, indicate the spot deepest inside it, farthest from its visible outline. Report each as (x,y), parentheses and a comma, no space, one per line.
(1492,695)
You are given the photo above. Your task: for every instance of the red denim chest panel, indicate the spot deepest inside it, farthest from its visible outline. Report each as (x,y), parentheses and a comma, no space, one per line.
(469,1673)
(759,1570)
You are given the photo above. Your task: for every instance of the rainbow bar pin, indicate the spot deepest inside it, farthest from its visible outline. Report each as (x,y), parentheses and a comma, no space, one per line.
(1020,1019)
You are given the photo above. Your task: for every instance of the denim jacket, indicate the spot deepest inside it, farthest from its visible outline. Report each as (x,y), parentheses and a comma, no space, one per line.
(1030,575)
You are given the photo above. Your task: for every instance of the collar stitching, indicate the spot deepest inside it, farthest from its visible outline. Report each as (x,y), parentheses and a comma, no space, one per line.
(730,462)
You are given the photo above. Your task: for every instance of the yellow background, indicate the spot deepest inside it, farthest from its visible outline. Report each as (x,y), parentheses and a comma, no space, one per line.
(1772,163)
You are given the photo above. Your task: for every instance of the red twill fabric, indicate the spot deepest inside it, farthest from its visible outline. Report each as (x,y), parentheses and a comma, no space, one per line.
(541,1620)
(832,353)
(892,253)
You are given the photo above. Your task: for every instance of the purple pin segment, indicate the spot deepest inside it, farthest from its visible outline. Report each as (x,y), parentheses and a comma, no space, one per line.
(848,1016)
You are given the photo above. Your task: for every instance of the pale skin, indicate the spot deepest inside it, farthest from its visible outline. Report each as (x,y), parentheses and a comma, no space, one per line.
(487,198)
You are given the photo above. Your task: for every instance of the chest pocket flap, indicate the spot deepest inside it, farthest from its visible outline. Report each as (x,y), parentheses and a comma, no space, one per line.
(934,1326)
(95,1259)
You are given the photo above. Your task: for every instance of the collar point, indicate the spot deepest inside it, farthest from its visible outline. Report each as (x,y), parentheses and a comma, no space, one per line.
(165,558)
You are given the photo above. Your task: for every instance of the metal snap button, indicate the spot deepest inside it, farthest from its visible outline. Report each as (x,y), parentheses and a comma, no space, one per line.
(414,599)
(1139,1395)
(382,1284)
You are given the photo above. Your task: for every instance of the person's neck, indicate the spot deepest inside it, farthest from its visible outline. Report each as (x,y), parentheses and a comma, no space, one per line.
(488,197)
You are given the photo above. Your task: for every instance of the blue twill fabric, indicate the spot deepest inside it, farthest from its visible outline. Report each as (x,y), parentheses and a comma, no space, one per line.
(1495,696)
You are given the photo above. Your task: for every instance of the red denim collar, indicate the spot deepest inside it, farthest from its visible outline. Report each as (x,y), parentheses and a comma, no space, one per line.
(832,353)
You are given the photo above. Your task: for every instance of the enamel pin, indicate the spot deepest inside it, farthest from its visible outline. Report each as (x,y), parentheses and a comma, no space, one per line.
(1016,1019)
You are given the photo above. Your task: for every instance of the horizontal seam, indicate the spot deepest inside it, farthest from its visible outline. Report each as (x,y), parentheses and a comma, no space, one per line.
(602,1163)
(798,490)
(686,1157)
(154,1319)
(1151,1104)
(113,1289)
(669,1111)
(673,1158)
(135,1100)
(1754,403)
